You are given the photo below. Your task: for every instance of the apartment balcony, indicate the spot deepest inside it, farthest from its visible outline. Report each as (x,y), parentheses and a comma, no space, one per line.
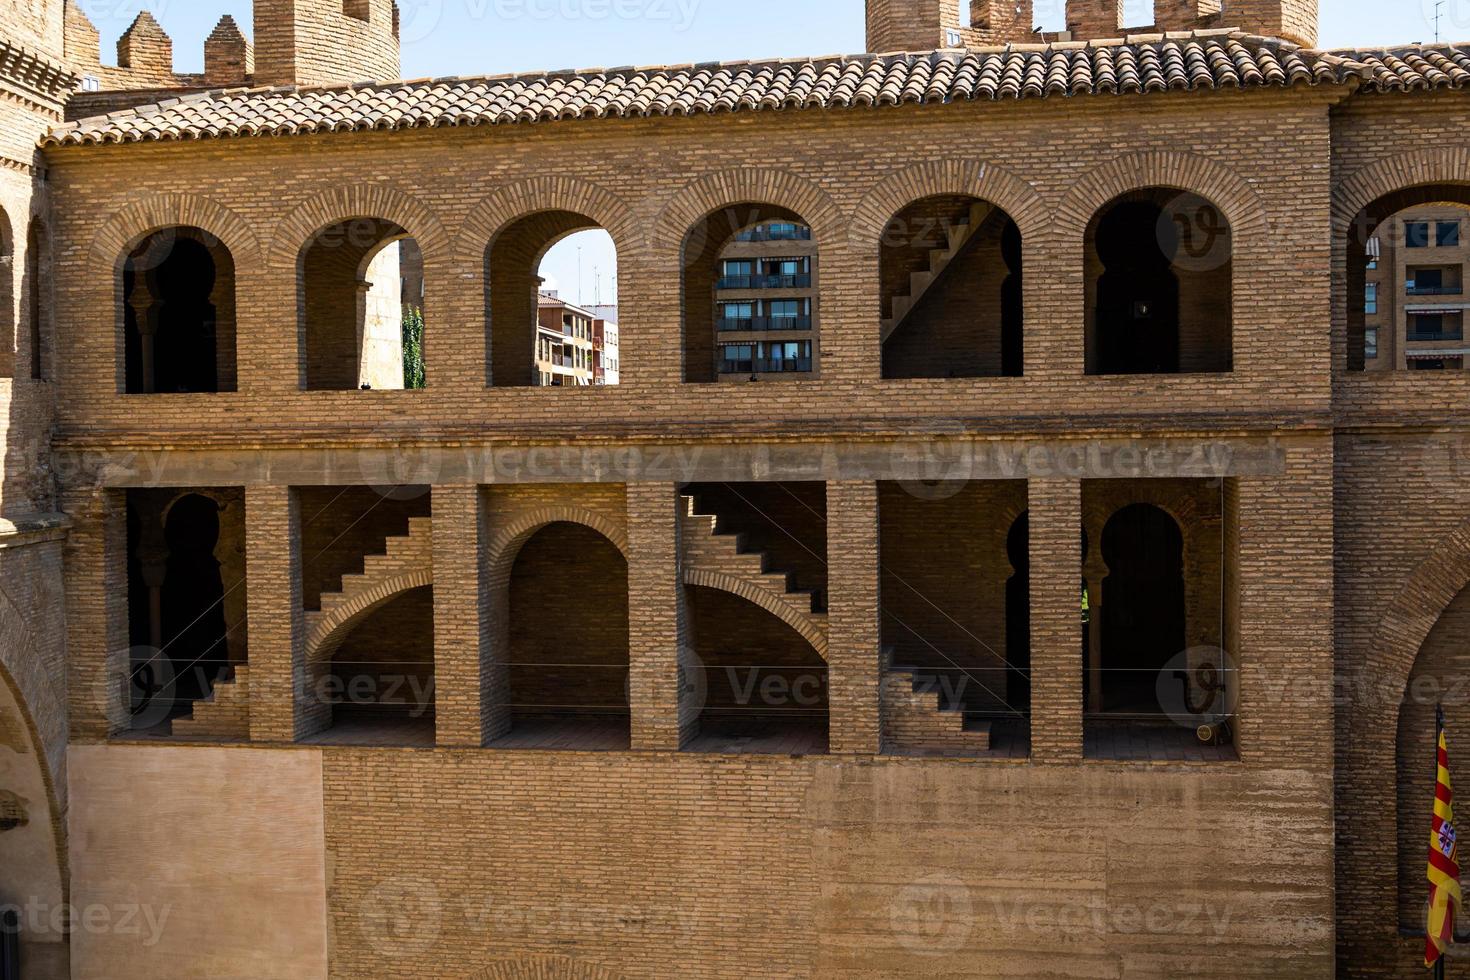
(775,234)
(762,323)
(1435,336)
(803,281)
(799,365)
(1434,290)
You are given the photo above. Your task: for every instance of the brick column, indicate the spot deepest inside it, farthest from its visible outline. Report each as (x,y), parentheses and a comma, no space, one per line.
(659,654)
(461,639)
(283,703)
(96,576)
(854,637)
(1056,620)
(1090,20)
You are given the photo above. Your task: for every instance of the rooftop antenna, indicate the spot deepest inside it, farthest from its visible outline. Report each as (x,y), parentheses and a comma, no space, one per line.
(1438,11)
(579,275)
(596,286)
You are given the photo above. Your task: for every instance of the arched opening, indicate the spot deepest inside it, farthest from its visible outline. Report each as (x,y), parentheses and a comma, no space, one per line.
(180,619)
(749,296)
(551,303)
(32,839)
(38,290)
(1406,256)
(360,308)
(764,686)
(1160,618)
(7,297)
(950,281)
(1158,270)
(178,305)
(1143,617)
(382,674)
(955,625)
(1440,678)
(567,633)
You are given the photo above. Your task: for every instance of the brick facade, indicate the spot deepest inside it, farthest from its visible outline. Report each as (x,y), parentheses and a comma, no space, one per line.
(631,552)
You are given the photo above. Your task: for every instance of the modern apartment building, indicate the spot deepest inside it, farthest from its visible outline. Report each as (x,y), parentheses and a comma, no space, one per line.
(565,344)
(765,303)
(1414,296)
(605,344)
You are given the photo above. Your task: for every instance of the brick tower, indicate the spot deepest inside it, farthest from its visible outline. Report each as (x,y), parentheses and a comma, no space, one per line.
(1291,20)
(923,25)
(321,42)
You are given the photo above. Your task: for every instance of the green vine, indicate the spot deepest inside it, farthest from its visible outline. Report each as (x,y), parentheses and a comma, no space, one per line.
(413,347)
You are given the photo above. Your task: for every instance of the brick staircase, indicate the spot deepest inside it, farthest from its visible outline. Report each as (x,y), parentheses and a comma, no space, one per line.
(957,236)
(404,555)
(225,713)
(709,550)
(920,716)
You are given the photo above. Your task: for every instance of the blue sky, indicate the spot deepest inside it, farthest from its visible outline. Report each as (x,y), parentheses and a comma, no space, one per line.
(482,37)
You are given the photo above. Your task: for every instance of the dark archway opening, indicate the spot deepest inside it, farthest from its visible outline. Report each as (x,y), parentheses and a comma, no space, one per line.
(567,635)
(1143,616)
(1159,290)
(179,314)
(951,287)
(176,600)
(38,278)
(1018,615)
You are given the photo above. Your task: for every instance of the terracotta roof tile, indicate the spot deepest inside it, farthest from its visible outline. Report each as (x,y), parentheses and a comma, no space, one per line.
(1197,61)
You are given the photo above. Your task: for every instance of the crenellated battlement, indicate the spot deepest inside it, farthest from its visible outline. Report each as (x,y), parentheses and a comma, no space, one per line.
(922,25)
(297,42)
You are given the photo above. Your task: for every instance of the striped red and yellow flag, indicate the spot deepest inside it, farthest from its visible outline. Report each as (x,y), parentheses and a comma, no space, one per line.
(1445,896)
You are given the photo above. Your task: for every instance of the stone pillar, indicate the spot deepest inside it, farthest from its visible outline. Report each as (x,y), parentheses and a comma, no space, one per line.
(284,704)
(465,689)
(96,575)
(660,660)
(1056,620)
(145,316)
(854,670)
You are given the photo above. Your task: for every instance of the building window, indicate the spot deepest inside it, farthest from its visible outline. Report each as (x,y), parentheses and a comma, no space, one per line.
(1447,234)
(1416,234)
(1370,343)
(783,357)
(1370,298)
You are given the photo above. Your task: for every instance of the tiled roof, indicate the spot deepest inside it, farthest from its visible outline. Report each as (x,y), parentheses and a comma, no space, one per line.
(1142,63)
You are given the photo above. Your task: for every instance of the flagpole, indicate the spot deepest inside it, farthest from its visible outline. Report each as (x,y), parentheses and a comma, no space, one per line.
(1438,734)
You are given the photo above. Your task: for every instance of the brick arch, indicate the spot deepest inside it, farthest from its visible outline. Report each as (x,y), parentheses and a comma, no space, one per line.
(331,630)
(512,202)
(544,968)
(777,606)
(1417,168)
(1221,186)
(1368,767)
(506,544)
(383,201)
(130,225)
(935,178)
(43,712)
(694,202)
